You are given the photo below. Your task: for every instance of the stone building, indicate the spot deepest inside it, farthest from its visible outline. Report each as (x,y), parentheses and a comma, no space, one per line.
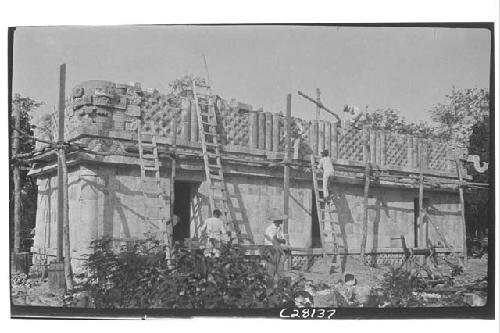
(106,199)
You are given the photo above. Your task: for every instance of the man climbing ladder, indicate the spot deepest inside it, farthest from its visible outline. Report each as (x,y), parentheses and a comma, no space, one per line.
(324,208)
(325,165)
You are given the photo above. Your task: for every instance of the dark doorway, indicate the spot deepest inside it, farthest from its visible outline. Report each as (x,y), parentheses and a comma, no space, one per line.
(183,193)
(315,230)
(416,210)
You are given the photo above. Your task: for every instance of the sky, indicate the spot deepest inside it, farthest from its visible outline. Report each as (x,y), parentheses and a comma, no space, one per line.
(409,69)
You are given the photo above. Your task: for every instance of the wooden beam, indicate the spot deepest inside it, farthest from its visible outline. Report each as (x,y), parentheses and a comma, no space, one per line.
(422,234)
(173,167)
(462,208)
(365,208)
(318,103)
(286,173)
(367,158)
(63,244)
(286,176)
(60,176)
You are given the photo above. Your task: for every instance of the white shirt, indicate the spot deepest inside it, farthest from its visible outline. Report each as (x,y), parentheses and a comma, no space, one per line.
(271,231)
(214,227)
(325,163)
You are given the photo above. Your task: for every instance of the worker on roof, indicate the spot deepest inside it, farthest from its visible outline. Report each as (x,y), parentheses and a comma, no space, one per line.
(215,233)
(326,165)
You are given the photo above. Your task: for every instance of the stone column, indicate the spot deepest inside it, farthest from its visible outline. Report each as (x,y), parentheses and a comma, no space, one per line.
(328,137)
(382,147)
(269,131)
(276,131)
(262,130)
(313,137)
(415,153)
(194,123)
(186,120)
(373,146)
(253,135)
(321,136)
(409,151)
(335,141)
(89,209)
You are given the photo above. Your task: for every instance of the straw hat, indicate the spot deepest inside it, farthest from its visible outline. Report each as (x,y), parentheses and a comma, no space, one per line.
(276,215)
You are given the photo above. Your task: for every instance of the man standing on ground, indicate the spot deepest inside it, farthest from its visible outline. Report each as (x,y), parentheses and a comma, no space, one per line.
(273,238)
(325,164)
(215,233)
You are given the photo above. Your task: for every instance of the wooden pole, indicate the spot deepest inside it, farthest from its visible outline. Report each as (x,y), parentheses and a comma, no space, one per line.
(366,151)
(462,208)
(60,176)
(286,173)
(170,228)
(17,179)
(63,189)
(318,100)
(320,105)
(286,177)
(422,238)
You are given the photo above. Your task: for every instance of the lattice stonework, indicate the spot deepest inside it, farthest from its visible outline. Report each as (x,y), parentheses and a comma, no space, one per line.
(350,145)
(437,156)
(234,129)
(158,113)
(396,151)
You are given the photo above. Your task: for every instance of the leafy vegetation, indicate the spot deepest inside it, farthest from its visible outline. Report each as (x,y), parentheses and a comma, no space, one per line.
(28,185)
(140,277)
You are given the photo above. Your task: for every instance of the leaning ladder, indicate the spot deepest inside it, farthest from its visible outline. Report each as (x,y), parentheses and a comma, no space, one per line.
(324,208)
(150,164)
(207,124)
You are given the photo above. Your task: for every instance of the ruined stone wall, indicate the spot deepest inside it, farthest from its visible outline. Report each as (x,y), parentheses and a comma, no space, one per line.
(391,213)
(106,200)
(105,108)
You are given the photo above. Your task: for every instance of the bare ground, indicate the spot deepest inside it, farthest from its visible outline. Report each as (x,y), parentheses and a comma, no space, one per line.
(327,289)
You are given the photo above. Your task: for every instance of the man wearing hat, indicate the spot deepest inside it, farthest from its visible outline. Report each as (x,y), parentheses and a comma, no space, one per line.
(325,164)
(274,233)
(273,238)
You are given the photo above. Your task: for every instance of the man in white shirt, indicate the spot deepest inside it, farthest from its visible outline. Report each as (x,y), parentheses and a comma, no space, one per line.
(326,165)
(215,232)
(273,238)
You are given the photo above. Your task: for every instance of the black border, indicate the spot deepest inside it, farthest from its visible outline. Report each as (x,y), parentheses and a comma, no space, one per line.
(486,312)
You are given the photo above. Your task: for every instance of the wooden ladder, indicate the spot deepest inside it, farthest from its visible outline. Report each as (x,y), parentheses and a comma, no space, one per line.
(150,175)
(329,240)
(207,124)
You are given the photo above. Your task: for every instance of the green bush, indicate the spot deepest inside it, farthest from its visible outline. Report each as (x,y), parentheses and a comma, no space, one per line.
(141,277)
(399,286)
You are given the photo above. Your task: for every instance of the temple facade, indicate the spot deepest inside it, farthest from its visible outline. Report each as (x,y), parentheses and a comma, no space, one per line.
(107,198)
